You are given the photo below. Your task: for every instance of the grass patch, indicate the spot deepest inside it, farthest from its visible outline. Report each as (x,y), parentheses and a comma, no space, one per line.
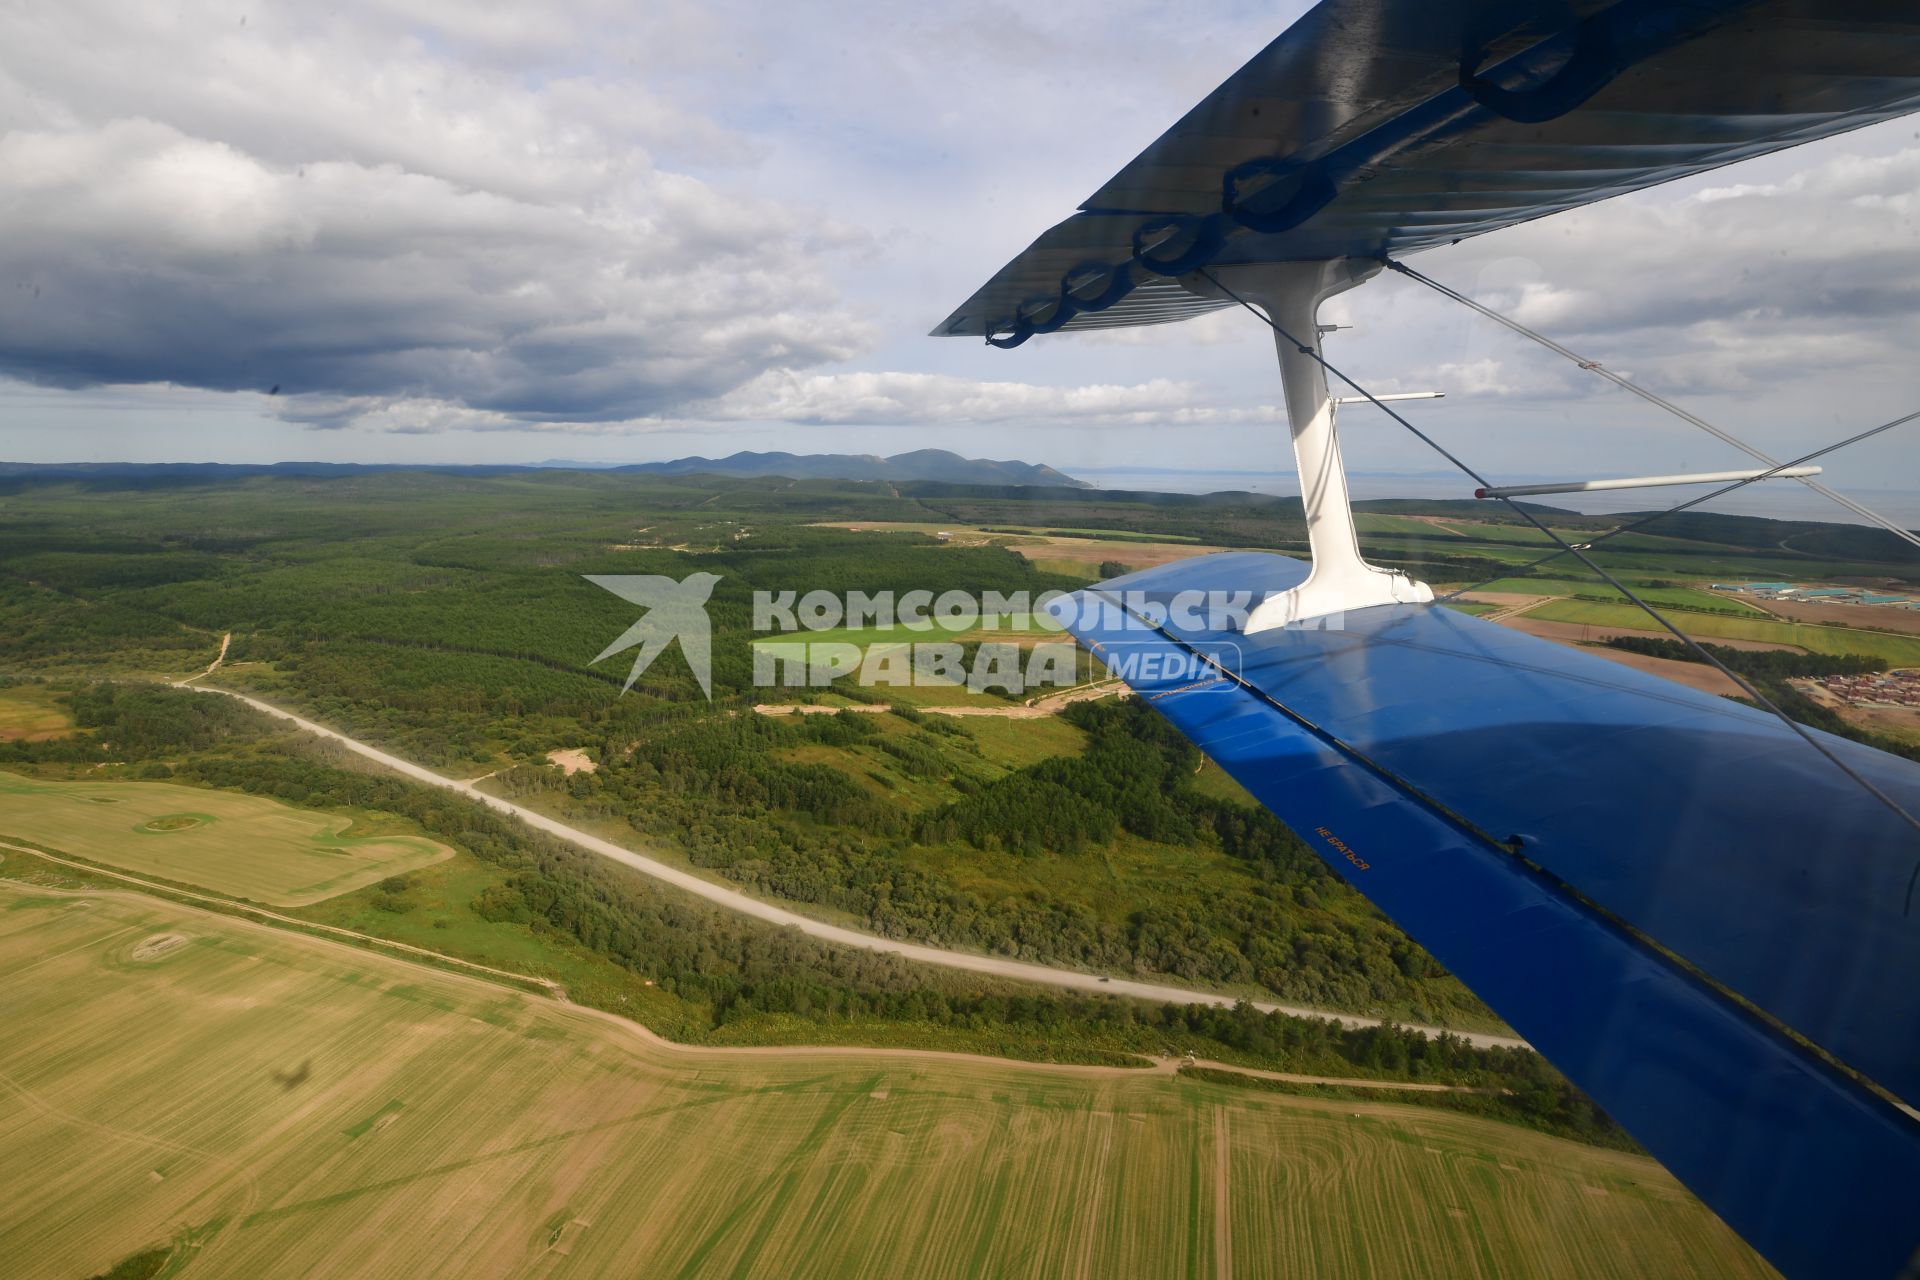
(1594,590)
(144,1265)
(245,846)
(31,713)
(1898,650)
(1015,744)
(1376,522)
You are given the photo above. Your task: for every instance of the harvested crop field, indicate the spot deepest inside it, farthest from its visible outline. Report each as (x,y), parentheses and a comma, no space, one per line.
(32,713)
(1092,552)
(1695,675)
(268,1103)
(245,846)
(158,945)
(1872,617)
(1068,554)
(1589,633)
(1898,650)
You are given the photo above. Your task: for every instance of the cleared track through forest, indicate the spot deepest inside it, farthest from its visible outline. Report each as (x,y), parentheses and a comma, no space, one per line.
(734,900)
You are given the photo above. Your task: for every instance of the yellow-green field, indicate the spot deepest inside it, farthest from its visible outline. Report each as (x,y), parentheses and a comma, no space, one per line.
(271,1104)
(1075,556)
(1025,629)
(887,657)
(1899,650)
(988,747)
(245,846)
(31,713)
(1382,522)
(1589,588)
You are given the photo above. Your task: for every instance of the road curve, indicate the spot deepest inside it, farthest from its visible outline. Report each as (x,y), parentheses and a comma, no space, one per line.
(734,900)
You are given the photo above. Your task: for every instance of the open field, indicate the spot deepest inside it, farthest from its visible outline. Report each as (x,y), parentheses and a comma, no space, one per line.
(1619,546)
(32,713)
(1086,554)
(1037,706)
(1900,651)
(1414,526)
(927,691)
(1898,722)
(1589,633)
(1524,535)
(930,528)
(1105,535)
(273,1104)
(241,845)
(1079,554)
(1077,570)
(1007,533)
(1871,617)
(1592,588)
(1695,675)
(1025,629)
(445,618)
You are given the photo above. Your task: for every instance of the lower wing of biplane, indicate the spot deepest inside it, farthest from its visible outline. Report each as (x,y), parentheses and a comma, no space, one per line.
(1703,915)
(1648,882)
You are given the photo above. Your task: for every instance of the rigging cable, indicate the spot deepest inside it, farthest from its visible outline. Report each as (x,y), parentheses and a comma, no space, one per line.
(1651,517)
(1594,366)
(1806,735)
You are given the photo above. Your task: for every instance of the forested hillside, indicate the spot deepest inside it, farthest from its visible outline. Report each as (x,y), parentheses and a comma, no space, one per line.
(445,615)
(517,897)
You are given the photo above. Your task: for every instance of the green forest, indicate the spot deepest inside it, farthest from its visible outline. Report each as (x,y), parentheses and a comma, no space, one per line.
(446,616)
(715,977)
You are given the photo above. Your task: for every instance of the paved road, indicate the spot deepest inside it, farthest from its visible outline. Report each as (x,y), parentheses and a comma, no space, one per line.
(734,900)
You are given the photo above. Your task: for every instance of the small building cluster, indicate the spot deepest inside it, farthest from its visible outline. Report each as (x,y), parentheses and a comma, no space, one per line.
(1817,594)
(1879,689)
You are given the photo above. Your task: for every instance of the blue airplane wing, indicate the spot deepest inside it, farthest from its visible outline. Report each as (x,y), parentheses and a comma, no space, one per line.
(1377,127)
(1682,905)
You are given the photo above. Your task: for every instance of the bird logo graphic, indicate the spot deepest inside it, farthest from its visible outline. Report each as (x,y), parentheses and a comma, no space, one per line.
(675,611)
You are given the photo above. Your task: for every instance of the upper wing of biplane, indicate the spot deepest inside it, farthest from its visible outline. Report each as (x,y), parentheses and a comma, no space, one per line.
(1388,126)
(1704,916)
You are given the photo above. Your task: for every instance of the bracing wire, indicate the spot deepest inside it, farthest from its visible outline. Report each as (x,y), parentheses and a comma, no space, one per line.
(1567,548)
(1652,517)
(1627,384)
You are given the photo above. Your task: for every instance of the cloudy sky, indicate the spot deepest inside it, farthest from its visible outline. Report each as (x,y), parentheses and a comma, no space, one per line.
(460,232)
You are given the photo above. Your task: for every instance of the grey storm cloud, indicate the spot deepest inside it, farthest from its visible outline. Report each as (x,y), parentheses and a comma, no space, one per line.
(492,248)
(422,216)
(1806,264)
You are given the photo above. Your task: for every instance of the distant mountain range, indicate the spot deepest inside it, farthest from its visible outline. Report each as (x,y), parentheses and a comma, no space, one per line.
(931,465)
(922,464)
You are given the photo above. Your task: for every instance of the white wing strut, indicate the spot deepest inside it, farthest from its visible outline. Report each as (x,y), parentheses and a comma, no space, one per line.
(1646,482)
(1291,293)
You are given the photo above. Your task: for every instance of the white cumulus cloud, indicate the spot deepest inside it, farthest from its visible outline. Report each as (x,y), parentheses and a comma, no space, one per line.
(357,220)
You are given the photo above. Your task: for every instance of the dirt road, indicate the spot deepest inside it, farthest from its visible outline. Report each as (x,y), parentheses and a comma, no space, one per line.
(213,666)
(1033,710)
(446,966)
(734,900)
